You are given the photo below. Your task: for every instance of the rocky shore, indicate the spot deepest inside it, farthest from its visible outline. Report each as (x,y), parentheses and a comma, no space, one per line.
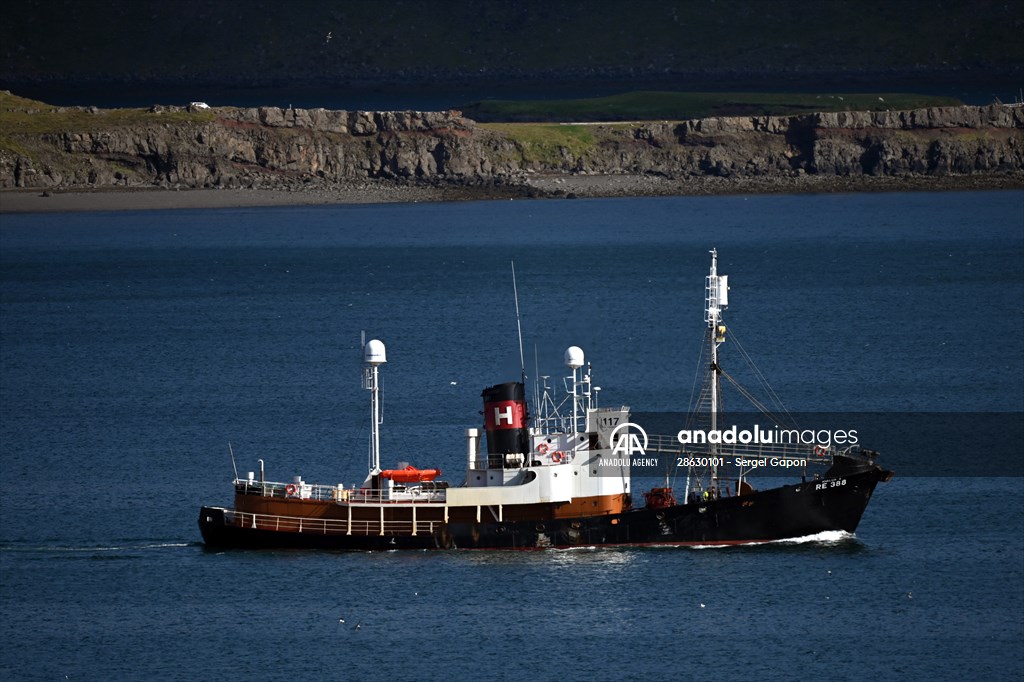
(171,156)
(383,192)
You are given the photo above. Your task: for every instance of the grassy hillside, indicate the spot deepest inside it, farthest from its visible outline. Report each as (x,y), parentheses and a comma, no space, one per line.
(21,116)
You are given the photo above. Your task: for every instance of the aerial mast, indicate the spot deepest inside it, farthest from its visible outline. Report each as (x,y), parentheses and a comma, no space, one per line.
(716,297)
(519,326)
(374,356)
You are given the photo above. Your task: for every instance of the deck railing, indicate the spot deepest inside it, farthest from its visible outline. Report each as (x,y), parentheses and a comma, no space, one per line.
(326,493)
(296,524)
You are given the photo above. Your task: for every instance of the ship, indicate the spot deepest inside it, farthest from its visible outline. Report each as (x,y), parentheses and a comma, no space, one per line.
(561,477)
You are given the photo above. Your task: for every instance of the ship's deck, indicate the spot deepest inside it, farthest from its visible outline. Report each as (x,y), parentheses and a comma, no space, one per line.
(429,492)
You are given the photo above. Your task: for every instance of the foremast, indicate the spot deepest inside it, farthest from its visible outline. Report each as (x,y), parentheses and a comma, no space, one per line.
(716,298)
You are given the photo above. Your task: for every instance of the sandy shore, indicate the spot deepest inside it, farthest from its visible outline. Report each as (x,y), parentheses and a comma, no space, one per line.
(560,186)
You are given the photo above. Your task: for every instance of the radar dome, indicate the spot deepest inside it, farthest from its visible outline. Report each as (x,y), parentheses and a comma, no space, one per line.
(373,353)
(574,357)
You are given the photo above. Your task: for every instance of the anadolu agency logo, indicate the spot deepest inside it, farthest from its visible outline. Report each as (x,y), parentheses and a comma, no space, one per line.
(628,443)
(628,439)
(770,436)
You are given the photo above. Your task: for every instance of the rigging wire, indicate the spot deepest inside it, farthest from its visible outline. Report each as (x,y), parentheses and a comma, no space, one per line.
(763,381)
(761,407)
(697,375)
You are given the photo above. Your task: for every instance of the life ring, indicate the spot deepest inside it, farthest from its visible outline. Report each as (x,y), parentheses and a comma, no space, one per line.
(820,450)
(290,489)
(542,448)
(556,456)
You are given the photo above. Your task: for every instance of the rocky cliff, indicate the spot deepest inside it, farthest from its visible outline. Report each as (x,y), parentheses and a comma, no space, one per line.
(298,148)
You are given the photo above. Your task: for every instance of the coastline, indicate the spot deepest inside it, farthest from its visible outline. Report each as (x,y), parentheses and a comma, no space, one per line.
(564,186)
(155,199)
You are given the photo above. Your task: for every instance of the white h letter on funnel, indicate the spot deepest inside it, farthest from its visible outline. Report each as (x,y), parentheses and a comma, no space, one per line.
(500,416)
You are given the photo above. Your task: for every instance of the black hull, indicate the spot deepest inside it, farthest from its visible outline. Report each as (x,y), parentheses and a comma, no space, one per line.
(786,512)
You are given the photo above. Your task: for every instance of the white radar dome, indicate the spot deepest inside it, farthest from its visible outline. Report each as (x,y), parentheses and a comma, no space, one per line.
(373,353)
(574,357)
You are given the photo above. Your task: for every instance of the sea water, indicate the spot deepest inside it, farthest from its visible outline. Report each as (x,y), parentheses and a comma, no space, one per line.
(136,346)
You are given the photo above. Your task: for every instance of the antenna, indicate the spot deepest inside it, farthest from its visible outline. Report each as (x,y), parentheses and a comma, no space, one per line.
(232,453)
(536,387)
(519,326)
(374,355)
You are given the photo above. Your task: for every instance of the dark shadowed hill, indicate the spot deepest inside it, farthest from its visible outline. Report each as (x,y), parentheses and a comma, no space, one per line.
(394,44)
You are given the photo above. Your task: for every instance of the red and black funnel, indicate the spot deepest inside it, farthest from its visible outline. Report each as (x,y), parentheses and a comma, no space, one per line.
(505,419)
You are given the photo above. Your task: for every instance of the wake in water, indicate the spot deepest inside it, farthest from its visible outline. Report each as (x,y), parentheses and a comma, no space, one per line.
(827,538)
(127,546)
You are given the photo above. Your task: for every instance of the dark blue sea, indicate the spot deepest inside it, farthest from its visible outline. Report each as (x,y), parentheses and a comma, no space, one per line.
(136,346)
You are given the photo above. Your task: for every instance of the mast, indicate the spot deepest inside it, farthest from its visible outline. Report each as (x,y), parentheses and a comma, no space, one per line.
(580,400)
(716,297)
(519,326)
(374,356)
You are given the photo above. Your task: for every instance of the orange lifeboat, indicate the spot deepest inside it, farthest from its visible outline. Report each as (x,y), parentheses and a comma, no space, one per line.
(660,498)
(411,474)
